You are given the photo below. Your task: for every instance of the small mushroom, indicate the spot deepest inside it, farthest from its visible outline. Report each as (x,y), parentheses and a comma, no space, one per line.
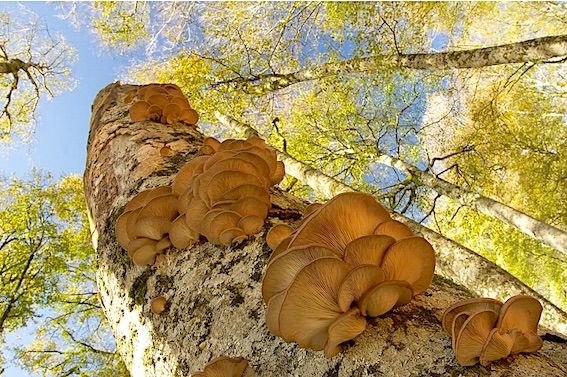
(394,229)
(224,367)
(367,250)
(358,281)
(277,234)
(384,297)
(346,327)
(157,304)
(139,111)
(469,307)
(472,336)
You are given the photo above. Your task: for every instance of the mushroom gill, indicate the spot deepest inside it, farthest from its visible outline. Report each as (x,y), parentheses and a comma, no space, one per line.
(502,329)
(339,267)
(224,367)
(164,103)
(224,194)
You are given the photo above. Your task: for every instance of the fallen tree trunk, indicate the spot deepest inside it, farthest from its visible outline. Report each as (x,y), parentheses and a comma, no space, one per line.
(214,304)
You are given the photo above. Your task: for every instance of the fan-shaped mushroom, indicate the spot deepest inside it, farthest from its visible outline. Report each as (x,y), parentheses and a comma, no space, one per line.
(224,367)
(157,304)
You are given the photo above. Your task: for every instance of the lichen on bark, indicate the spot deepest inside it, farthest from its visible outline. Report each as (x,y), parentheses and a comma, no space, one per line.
(214,304)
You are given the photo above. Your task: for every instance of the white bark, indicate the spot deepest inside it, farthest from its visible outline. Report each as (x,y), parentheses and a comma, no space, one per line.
(548,234)
(214,301)
(533,50)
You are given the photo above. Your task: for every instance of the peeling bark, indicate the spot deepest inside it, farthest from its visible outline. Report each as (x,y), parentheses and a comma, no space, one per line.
(214,304)
(454,261)
(534,51)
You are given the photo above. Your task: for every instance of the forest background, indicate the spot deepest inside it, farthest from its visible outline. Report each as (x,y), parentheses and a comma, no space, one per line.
(298,73)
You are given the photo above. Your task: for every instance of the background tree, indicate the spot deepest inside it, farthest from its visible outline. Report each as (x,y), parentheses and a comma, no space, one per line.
(34,64)
(47,267)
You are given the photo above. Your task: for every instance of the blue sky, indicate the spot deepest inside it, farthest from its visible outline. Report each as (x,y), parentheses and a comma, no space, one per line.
(60,141)
(59,144)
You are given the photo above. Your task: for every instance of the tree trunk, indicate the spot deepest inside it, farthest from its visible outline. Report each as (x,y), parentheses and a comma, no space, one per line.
(548,234)
(454,261)
(533,50)
(214,301)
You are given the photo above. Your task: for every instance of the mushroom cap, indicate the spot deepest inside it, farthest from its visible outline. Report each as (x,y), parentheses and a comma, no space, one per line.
(157,304)
(142,198)
(472,336)
(310,305)
(231,235)
(121,230)
(282,247)
(224,367)
(225,181)
(468,306)
(277,234)
(211,142)
(163,244)
(137,243)
(166,151)
(394,229)
(346,327)
(367,250)
(358,281)
(521,312)
(410,259)
(180,235)
(139,111)
(344,218)
(283,269)
(251,224)
(497,346)
(273,313)
(384,297)
(456,325)
(189,116)
(145,255)
(164,206)
(206,150)
(216,223)
(187,173)
(278,174)
(159,100)
(246,191)
(152,227)
(196,211)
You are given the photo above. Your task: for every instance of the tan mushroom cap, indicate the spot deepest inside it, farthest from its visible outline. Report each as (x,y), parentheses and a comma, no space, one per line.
(367,250)
(152,227)
(211,142)
(226,181)
(231,235)
(166,151)
(246,191)
(234,165)
(139,111)
(456,325)
(157,304)
(468,306)
(215,224)
(180,235)
(522,312)
(346,327)
(472,336)
(121,230)
(224,367)
(279,173)
(410,259)
(283,269)
(131,220)
(273,313)
(189,116)
(142,198)
(145,255)
(186,174)
(282,247)
(137,243)
(384,297)
(159,100)
(163,244)
(277,234)
(310,306)
(195,214)
(206,150)
(358,281)
(343,219)
(250,224)
(497,346)
(394,229)
(164,206)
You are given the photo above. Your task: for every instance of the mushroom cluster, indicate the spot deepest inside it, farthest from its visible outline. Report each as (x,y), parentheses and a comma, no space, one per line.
(484,330)
(224,367)
(224,194)
(347,260)
(161,103)
(150,224)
